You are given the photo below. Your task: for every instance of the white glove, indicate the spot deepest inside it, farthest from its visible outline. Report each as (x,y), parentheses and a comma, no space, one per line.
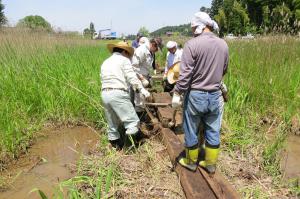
(145,82)
(154,71)
(145,93)
(176,100)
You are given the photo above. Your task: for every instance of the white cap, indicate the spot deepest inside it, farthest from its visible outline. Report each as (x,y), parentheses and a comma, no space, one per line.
(171,44)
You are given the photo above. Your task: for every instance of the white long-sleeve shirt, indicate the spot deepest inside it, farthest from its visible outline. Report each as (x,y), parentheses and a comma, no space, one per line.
(172,59)
(117,72)
(142,60)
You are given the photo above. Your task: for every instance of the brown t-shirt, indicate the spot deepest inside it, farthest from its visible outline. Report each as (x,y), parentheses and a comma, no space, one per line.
(204,62)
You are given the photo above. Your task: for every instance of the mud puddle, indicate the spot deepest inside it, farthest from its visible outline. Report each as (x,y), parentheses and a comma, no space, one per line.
(291,159)
(48,162)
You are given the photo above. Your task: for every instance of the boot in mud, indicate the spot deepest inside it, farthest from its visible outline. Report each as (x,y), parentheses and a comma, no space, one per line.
(117,144)
(135,139)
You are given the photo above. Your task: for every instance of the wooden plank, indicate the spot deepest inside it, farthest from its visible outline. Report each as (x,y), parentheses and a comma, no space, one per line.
(195,184)
(162,98)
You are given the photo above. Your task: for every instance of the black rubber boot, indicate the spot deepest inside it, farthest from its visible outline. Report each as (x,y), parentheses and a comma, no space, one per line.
(117,144)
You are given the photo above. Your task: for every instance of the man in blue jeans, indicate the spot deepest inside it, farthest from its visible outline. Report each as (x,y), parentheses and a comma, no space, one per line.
(203,64)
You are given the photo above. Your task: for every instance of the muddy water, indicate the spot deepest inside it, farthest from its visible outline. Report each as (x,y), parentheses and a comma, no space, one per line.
(48,162)
(291,160)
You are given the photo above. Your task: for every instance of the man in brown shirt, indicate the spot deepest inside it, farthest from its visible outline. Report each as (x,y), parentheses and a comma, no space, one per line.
(204,63)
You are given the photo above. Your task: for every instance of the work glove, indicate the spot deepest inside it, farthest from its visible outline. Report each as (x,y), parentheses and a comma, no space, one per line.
(224,90)
(145,93)
(145,82)
(176,100)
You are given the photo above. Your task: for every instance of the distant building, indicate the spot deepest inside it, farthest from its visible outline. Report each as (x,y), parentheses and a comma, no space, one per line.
(169,34)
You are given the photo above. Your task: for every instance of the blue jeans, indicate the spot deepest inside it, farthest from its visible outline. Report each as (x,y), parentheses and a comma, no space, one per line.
(206,108)
(119,110)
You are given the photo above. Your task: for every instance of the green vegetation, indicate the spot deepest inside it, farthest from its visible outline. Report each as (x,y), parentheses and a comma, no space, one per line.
(263,81)
(242,16)
(35,23)
(46,79)
(144,31)
(184,30)
(89,32)
(2,16)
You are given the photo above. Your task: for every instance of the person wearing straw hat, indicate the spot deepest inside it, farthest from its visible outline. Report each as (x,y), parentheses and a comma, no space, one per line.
(172,77)
(204,63)
(173,57)
(142,62)
(117,75)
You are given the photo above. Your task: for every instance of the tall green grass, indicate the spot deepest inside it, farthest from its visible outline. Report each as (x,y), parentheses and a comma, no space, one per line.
(46,79)
(264,83)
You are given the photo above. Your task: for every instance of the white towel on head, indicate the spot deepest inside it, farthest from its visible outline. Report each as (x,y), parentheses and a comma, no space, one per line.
(201,20)
(144,41)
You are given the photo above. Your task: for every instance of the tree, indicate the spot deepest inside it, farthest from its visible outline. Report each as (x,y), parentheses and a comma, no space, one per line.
(2,16)
(205,9)
(144,31)
(92,30)
(87,33)
(35,22)
(232,18)
(215,6)
(281,16)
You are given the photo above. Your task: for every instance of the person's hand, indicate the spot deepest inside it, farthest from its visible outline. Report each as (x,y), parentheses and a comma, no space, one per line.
(154,71)
(145,93)
(176,100)
(145,82)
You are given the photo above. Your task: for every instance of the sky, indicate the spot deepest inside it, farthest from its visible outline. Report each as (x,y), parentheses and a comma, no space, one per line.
(123,16)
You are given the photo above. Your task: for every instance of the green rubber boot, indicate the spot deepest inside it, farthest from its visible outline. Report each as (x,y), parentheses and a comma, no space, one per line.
(190,159)
(211,157)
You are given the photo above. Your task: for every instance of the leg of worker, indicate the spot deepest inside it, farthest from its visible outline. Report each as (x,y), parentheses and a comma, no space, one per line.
(111,117)
(123,107)
(191,121)
(212,122)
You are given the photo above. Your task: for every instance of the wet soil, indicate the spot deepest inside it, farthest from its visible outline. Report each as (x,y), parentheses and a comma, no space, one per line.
(291,159)
(48,162)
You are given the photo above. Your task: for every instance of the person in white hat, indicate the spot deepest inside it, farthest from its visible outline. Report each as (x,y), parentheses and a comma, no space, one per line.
(142,62)
(173,56)
(204,63)
(116,75)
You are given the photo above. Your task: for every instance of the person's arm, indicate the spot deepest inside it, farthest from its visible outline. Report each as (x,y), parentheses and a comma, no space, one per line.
(166,64)
(186,68)
(136,60)
(130,75)
(226,62)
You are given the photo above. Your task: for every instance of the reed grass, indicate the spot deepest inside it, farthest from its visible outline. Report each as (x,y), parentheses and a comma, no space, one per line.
(46,79)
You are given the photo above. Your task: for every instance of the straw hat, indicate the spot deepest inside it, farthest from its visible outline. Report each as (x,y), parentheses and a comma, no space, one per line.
(123,45)
(173,73)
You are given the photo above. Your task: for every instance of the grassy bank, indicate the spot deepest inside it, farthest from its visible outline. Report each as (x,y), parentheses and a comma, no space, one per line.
(44,79)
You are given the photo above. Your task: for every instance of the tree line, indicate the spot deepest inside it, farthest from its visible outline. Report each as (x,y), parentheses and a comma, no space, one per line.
(258,16)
